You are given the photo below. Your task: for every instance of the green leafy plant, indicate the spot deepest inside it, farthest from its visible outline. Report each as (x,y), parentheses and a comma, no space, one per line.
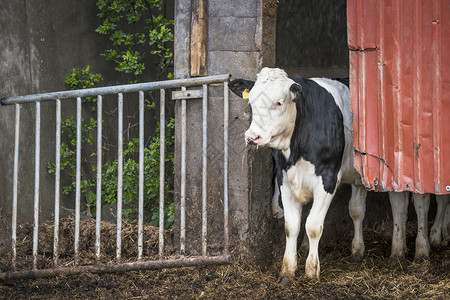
(130,189)
(136,29)
(147,27)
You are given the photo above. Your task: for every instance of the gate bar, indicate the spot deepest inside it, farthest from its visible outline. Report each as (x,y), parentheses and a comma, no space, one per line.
(127,88)
(98,209)
(205,168)
(141,176)
(57,183)
(121,267)
(119,175)
(36,183)
(225,164)
(78,183)
(15,183)
(162,163)
(183,176)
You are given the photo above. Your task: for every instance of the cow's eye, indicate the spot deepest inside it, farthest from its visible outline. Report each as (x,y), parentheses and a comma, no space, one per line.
(279,103)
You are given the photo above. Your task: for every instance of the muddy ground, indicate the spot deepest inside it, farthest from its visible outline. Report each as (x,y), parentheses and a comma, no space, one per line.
(376,277)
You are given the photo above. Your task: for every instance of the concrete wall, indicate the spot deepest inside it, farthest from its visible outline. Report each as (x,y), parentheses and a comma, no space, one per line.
(41,41)
(237,45)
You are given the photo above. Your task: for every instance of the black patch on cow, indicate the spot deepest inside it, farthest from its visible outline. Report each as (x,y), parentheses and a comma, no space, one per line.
(318,134)
(237,86)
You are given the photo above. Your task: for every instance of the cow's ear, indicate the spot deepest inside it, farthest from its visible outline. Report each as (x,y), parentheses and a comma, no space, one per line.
(241,87)
(296,89)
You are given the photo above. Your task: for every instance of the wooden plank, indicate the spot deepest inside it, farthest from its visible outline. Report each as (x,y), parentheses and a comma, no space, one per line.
(199,38)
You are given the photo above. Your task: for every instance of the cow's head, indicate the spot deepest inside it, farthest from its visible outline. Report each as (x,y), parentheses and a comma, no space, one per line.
(272,98)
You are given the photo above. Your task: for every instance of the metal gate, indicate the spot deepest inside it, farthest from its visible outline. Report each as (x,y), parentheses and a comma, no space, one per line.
(180,260)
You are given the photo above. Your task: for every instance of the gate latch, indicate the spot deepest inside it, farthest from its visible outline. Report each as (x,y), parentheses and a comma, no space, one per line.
(190,94)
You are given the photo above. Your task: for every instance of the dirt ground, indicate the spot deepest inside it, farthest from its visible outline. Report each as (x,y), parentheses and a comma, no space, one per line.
(376,277)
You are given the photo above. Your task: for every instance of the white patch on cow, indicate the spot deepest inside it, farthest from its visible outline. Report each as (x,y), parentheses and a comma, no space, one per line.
(292,221)
(440,231)
(303,180)
(287,153)
(314,229)
(273,111)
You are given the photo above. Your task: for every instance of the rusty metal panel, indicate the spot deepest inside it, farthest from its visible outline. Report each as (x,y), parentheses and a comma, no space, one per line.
(400,93)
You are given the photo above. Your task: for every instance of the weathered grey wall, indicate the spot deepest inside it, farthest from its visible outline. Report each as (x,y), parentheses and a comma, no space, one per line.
(41,41)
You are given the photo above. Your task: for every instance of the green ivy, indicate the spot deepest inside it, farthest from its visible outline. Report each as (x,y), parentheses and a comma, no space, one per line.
(147,28)
(130,25)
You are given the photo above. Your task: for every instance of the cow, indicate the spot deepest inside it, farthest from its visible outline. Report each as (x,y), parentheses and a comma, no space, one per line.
(308,123)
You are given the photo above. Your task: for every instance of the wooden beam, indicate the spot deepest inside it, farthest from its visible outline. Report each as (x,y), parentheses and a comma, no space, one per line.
(199,37)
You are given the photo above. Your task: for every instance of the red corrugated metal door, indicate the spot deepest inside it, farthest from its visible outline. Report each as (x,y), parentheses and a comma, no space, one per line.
(400,93)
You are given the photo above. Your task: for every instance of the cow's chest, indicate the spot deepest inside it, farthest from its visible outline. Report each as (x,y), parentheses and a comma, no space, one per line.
(303,180)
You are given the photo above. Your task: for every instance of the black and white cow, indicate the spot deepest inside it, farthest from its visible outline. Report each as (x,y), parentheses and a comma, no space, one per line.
(309,124)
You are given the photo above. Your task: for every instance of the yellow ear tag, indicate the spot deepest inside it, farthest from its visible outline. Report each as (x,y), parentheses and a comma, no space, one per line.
(245,94)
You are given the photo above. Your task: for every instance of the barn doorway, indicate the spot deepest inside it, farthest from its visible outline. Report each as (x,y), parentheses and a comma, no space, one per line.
(311,38)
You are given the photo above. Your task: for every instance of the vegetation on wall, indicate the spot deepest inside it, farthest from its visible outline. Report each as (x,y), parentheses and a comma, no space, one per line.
(136,29)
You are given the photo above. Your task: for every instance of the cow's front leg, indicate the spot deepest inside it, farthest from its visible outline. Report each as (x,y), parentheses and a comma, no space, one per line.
(399,205)
(314,229)
(422,205)
(292,219)
(357,209)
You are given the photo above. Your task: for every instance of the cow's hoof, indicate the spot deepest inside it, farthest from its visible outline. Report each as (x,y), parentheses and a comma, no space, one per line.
(357,258)
(421,257)
(284,279)
(396,258)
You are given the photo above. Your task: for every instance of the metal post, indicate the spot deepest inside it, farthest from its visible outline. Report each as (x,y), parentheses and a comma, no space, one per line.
(57,183)
(15,183)
(120,176)
(162,161)
(78,184)
(98,209)
(205,168)
(183,177)
(225,164)
(141,175)
(36,183)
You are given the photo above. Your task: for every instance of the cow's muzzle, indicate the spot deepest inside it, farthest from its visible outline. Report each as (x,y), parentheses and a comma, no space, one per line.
(252,139)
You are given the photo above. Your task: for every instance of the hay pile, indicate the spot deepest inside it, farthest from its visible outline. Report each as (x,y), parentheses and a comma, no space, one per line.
(376,277)
(108,235)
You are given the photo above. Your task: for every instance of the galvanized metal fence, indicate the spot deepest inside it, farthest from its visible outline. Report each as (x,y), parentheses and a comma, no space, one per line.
(183,95)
